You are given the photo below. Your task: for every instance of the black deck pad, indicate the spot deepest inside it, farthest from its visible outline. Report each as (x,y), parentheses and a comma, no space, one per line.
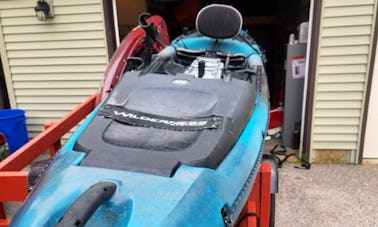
(160,150)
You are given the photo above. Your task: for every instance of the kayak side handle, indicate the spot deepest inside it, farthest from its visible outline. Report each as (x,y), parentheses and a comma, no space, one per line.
(83,208)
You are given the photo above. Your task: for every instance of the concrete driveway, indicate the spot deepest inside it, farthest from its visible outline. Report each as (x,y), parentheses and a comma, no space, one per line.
(328,195)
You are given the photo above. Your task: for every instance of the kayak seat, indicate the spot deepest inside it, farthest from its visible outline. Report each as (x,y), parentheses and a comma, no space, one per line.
(219,21)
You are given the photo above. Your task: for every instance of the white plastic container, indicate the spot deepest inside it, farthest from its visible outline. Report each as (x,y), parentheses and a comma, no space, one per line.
(303,32)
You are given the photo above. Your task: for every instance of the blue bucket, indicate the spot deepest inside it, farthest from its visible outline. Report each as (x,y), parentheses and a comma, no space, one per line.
(13,126)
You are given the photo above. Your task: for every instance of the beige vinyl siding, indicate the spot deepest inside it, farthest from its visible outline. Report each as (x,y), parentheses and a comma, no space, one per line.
(52,66)
(344,51)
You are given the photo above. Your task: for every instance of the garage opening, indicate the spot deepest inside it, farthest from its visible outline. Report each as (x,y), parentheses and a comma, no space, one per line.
(274,24)
(4,100)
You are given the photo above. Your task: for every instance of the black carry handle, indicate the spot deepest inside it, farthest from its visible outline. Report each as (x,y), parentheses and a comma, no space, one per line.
(151,35)
(83,208)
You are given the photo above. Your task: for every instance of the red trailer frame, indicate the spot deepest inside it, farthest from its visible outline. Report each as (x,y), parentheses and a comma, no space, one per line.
(13,179)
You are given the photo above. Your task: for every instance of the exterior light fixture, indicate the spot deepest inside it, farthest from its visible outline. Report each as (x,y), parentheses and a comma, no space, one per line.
(43,10)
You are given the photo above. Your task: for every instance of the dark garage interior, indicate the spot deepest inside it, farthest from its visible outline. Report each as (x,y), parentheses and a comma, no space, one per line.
(270,23)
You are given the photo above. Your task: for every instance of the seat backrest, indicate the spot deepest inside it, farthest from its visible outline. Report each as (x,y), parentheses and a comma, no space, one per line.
(219,21)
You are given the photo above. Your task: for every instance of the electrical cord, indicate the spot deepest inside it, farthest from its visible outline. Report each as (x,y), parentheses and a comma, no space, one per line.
(304,163)
(245,216)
